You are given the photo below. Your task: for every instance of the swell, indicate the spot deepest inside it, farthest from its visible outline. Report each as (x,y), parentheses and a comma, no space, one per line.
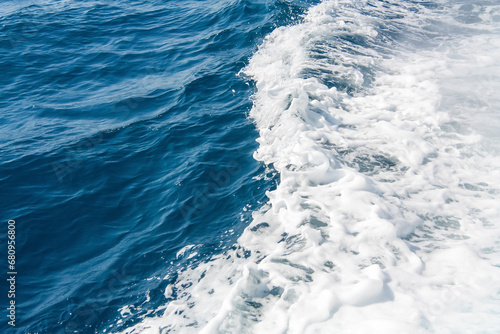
(114,118)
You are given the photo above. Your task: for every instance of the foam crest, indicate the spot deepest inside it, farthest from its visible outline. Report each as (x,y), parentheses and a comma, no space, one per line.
(386,214)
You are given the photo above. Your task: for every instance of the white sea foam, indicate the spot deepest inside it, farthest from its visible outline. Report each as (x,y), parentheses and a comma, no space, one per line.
(386,217)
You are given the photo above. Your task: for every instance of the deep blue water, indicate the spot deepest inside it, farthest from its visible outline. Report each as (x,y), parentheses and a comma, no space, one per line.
(133,143)
(124,137)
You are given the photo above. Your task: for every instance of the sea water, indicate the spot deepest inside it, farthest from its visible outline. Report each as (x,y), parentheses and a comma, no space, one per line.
(253,166)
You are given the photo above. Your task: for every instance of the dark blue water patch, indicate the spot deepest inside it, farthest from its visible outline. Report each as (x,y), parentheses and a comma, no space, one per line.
(124,137)
(140,193)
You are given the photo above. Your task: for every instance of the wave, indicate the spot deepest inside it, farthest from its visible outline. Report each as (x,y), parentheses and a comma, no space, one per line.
(375,114)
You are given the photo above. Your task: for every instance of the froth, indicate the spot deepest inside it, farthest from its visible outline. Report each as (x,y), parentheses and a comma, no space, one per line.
(386,215)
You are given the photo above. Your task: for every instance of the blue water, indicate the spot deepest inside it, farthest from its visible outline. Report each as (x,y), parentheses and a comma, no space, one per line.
(124,137)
